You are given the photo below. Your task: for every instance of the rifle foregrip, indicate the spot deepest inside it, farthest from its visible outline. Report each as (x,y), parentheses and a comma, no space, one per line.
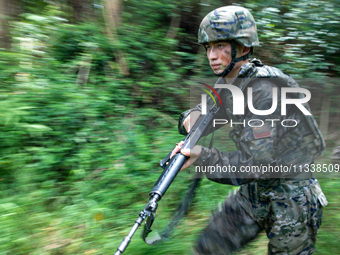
(169,174)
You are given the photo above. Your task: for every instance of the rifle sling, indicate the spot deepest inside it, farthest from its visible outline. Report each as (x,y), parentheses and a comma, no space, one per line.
(181,211)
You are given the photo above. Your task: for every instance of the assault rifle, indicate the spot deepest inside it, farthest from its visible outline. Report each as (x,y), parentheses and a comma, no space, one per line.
(171,169)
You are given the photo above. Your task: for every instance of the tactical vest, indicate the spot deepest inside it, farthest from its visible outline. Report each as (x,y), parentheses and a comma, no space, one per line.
(311,141)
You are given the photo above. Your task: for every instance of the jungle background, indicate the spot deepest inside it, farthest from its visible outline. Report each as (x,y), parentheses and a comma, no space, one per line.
(90,94)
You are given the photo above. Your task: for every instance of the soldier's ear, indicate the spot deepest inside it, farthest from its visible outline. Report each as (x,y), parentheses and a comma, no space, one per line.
(245,50)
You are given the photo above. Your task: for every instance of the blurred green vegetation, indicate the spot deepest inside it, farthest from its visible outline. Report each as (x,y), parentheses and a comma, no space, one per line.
(89,105)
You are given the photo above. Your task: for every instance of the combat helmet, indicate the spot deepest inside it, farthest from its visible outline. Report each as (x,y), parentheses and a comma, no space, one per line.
(229,23)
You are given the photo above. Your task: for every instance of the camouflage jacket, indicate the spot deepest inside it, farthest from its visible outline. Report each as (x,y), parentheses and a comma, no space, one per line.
(272,144)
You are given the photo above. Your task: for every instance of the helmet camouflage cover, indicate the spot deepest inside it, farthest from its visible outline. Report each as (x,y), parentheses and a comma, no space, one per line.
(229,23)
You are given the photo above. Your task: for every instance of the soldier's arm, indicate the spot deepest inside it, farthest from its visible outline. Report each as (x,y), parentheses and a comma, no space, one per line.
(188,119)
(255,145)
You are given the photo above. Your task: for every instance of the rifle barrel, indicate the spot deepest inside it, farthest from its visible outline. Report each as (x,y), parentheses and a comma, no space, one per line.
(149,208)
(127,239)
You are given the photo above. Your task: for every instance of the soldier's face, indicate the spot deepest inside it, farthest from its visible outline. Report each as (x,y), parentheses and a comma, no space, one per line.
(219,55)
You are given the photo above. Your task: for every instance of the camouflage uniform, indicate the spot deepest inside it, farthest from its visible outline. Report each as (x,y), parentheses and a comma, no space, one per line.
(288,208)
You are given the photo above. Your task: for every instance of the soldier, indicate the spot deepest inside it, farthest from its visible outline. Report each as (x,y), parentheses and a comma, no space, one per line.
(287,207)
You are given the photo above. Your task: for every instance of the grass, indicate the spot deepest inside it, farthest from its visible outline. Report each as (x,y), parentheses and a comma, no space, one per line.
(93,215)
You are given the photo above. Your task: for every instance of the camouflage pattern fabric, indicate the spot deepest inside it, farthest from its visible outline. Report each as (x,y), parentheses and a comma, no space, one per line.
(229,23)
(229,228)
(336,155)
(288,211)
(281,145)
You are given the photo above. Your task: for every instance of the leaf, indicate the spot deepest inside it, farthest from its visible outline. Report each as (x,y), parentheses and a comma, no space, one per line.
(36,127)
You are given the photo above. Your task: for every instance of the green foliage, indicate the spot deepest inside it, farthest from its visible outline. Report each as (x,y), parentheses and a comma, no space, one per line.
(80,142)
(301,36)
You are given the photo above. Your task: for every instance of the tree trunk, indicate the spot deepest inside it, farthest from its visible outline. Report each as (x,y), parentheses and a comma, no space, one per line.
(8,9)
(84,69)
(174,26)
(83,10)
(112,10)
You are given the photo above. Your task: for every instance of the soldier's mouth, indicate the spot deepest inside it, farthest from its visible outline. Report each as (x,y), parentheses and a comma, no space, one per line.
(215,67)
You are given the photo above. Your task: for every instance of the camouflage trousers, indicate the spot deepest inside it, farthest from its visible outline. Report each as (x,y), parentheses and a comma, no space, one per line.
(289,211)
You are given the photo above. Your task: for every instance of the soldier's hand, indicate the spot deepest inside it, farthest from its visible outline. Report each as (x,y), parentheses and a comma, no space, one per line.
(192,154)
(190,121)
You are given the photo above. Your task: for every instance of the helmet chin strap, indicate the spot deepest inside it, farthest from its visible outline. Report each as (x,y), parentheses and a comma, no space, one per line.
(234,60)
